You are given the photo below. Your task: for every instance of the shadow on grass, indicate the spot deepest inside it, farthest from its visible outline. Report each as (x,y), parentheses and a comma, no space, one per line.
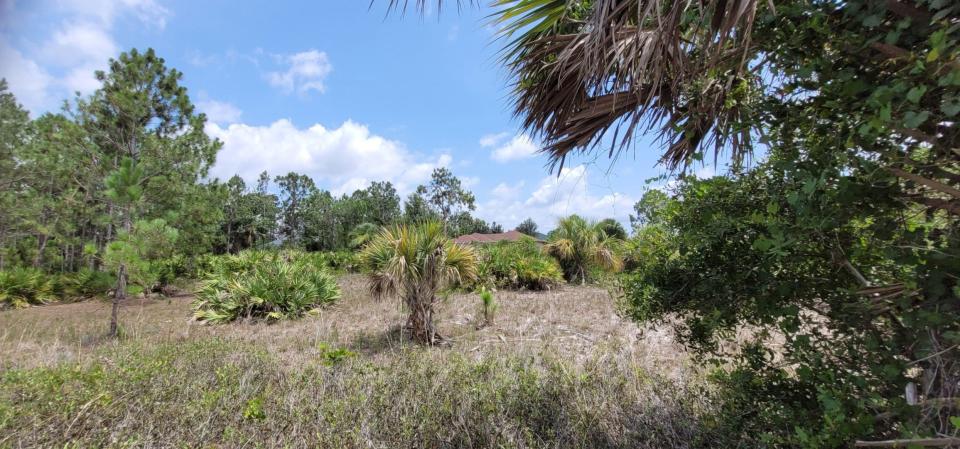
(379,342)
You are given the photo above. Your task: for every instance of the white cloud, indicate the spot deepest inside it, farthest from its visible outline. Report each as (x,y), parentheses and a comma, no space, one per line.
(27,80)
(79,49)
(79,42)
(341,159)
(149,12)
(490,140)
(553,198)
(504,191)
(220,112)
(307,71)
(520,147)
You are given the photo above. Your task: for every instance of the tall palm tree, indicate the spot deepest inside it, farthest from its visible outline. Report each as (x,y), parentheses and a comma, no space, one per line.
(413,263)
(580,245)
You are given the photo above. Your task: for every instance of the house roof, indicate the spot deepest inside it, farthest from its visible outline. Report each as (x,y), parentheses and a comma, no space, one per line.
(510,236)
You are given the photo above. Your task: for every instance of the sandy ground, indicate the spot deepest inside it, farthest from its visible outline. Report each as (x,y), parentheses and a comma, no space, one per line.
(574,322)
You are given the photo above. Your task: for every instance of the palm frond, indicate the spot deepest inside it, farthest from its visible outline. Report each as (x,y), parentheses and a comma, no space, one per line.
(631,66)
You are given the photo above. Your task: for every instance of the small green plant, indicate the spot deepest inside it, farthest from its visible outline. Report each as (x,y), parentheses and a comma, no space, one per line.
(334,356)
(488,306)
(23,287)
(254,410)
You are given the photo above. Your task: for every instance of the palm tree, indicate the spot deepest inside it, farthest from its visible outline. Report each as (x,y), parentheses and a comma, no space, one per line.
(413,263)
(580,245)
(363,234)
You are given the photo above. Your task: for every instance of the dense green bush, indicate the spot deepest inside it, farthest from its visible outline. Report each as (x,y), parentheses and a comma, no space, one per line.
(86,283)
(333,261)
(169,269)
(517,265)
(338,261)
(23,287)
(260,285)
(849,300)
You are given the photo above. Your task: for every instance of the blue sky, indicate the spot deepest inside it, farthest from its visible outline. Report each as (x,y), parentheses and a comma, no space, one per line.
(344,93)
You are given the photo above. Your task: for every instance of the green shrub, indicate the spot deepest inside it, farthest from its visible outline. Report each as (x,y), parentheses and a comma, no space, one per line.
(259,285)
(23,287)
(169,269)
(340,261)
(87,283)
(518,265)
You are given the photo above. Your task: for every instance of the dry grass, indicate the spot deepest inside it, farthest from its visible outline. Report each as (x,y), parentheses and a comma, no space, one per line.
(572,323)
(556,369)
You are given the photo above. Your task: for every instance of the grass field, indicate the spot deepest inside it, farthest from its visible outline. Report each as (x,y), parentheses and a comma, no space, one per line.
(556,369)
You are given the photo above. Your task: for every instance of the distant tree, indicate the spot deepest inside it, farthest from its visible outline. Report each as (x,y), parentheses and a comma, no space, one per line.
(446,195)
(236,189)
(414,263)
(141,111)
(463,223)
(200,219)
(249,216)
(321,222)
(528,227)
(612,228)
(15,131)
(416,209)
(649,208)
(384,203)
(266,211)
(294,190)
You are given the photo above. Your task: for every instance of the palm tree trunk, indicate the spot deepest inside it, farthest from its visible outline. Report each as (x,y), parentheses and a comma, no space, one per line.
(421,320)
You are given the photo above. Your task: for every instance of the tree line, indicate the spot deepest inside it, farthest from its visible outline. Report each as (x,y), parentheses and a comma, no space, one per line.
(133,156)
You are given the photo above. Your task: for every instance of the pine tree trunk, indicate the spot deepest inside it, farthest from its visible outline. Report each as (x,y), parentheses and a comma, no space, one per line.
(41,247)
(121,292)
(118,295)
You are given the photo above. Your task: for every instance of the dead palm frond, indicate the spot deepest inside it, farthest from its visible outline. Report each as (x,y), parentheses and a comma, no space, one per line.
(676,68)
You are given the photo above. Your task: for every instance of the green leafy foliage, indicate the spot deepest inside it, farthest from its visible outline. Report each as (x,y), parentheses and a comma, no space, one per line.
(263,286)
(145,251)
(24,287)
(334,356)
(821,255)
(87,283)
(517,265)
